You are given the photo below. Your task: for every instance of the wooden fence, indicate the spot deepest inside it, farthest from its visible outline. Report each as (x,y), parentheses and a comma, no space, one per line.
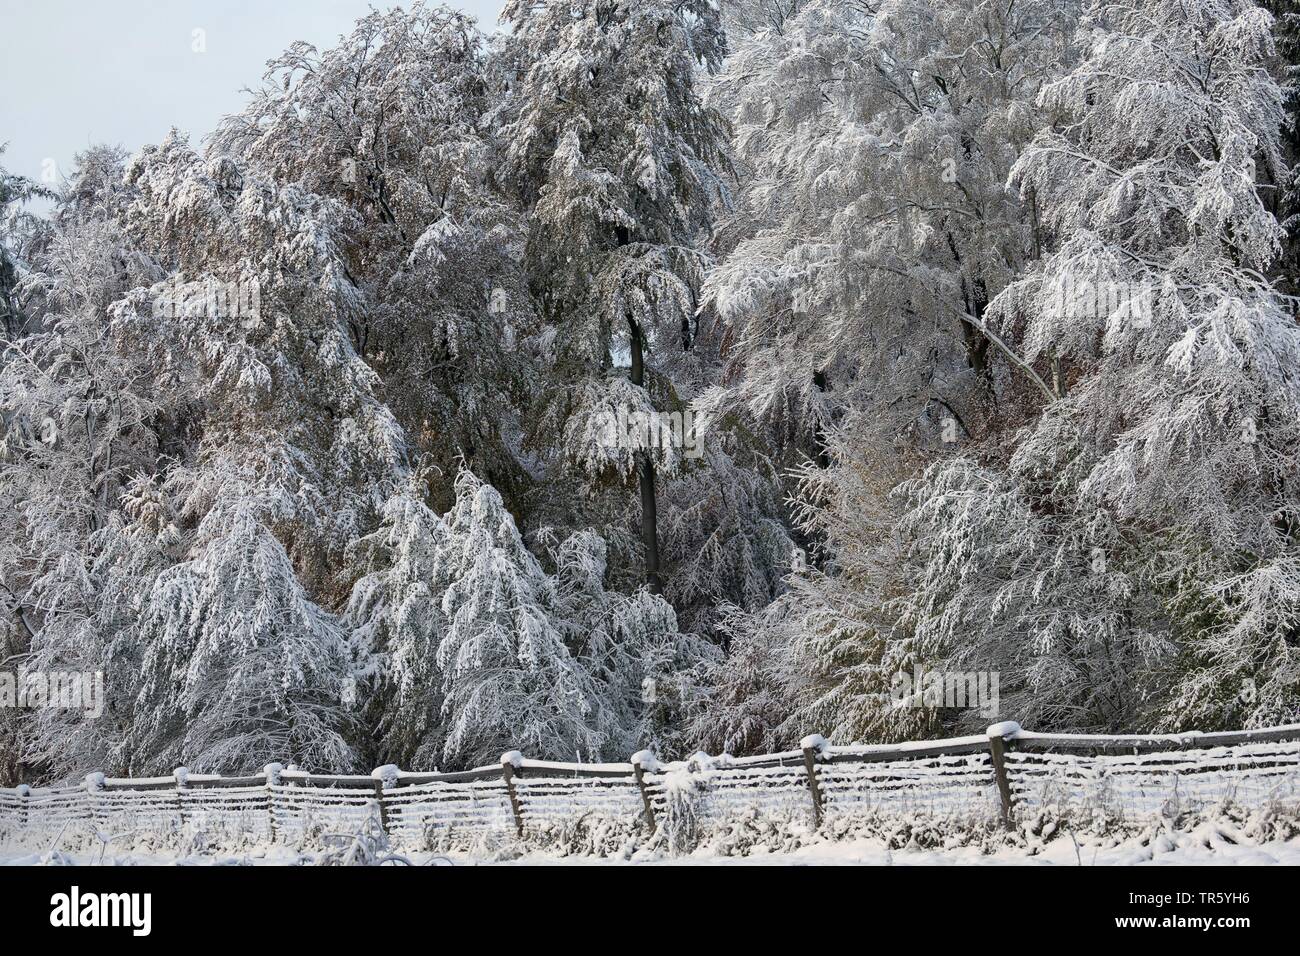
(990,775)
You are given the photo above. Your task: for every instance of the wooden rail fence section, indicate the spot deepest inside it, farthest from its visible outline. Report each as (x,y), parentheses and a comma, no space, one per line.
(990,774)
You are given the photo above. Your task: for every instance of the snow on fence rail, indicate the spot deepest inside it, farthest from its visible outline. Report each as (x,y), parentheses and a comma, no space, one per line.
(985,775)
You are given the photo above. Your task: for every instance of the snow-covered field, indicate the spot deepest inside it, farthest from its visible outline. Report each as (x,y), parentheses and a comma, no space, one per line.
(1212,843)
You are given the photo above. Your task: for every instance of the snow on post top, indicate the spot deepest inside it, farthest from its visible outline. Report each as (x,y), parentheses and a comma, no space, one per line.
(95,781)
(388,774)
(646,760)
(512,758)
(815,742)
(182,775)
(1007,728)
(272,772)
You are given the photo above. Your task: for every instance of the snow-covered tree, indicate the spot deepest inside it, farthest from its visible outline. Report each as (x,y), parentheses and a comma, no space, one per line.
(1168,467)
(507,674)
(618,164)
(724,532)
(746,703)
(347,439)
(475,649)
(96,187)
(79,409)
(823,656)
(396,621)
(253,319)
(851,303)
(874,227)
(744,18)
(648,674)
(241,667)
(19,233)
(91,603)
(288,456)
(1280,187)
(395,123)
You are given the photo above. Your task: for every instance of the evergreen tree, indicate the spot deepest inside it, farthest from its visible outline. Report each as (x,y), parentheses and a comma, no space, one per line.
(241,666)
(396,621)
(475,649)
(617,162)
(19,234)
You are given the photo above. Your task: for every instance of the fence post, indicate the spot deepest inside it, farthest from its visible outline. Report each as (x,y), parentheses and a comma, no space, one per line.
(24,798)
(182,775)
(812,745)
(94,785)
(384,777)
(272,773)
(998,735)
(511,767)
(642,761)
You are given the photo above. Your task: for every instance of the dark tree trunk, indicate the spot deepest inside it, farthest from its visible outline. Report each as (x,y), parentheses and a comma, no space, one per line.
(975,297)
(819,434)
(646,475)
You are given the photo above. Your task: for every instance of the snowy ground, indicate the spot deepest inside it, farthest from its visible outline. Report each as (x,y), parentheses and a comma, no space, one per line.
(1210,844)
(873,853)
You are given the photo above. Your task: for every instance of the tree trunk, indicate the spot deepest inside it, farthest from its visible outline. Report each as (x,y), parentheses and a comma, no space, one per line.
(646,475)
(975,297)
(820,443)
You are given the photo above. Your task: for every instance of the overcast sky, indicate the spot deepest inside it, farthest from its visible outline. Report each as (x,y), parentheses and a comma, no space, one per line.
(77,72)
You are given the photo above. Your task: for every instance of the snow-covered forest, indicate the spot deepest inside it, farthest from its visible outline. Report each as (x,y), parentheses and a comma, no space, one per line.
(666,374)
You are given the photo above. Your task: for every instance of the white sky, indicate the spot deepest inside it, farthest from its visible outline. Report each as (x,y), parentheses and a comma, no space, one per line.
(77,72)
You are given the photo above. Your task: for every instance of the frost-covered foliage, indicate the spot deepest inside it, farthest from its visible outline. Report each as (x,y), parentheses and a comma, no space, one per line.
(240,662)
(875,228)
(288,406)
(1150,509)
(287,455)
(874,231)
(433,248)
(346,438)
(503,665)
(824,654)
(19,238)
(220,369)
(1106,519)
(20,235)
(143,380)
(396,622)
(621,167)
(476,649)
(79,413)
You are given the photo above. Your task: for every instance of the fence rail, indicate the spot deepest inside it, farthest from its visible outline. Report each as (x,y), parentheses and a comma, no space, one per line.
(985,775)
